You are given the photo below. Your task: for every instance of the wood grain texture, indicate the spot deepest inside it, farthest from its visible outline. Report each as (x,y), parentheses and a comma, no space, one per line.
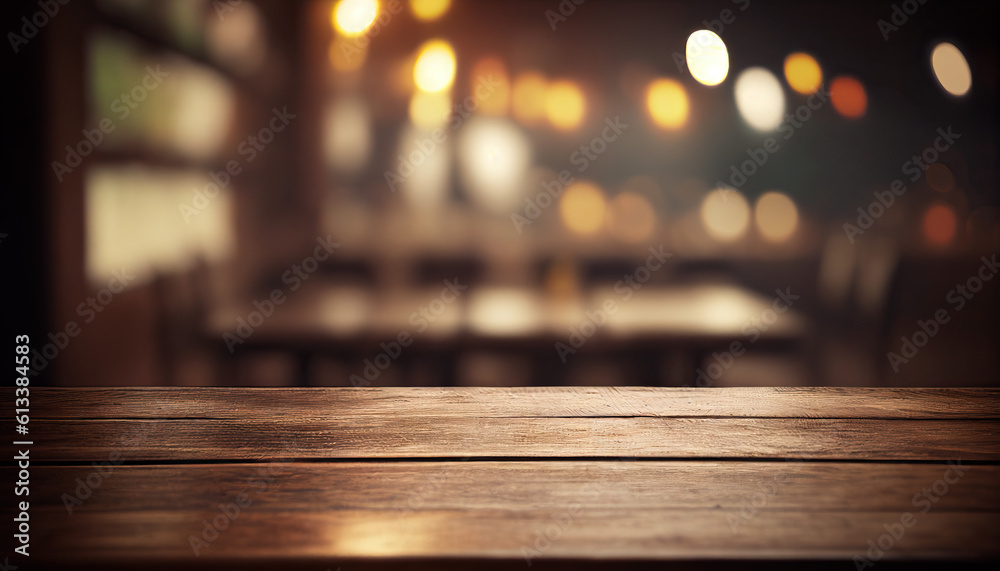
(466,477)
(324,403)
(293,486)
(456,437)
(497,509)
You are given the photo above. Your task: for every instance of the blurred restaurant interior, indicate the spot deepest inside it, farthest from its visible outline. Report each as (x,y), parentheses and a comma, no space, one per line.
(509,192)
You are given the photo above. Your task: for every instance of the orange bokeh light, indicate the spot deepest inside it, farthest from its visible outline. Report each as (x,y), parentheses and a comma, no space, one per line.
(939,224)
(848,97)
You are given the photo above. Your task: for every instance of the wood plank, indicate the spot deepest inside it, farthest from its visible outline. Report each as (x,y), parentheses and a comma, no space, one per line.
(453,437)
(322,403)
(592,510)
(405,487)
(637,534)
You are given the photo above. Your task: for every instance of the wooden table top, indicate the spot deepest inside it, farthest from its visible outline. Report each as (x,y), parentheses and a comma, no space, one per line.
(503,477)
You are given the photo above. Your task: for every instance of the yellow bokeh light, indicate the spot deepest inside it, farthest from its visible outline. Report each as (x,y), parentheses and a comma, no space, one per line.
(429,110)
(353,17)
(803,73)
(667,103)
(582,208)
(951,69)
(707,57)
(529,98)
(564,104)
(428,10)
(776,216)
(435,67)
(725,214)
(631,217)
(489,86)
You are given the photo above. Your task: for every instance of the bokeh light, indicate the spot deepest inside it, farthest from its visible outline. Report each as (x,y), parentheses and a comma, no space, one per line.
(848,97)
(582,208)
(630,217)
(205,109)
(489,85)
(564,104)
(239,40)
(494,156)
(940,178)
(353,17)
(426,177)
(939,224)
(529,98)
(430,109)
(760,99)
(725,214)
(776,216)
(951,69)
(502,311)
(428,10)
(347,134)
(435,67)
(707,57)
(803,73)
(667,103)
(346,55)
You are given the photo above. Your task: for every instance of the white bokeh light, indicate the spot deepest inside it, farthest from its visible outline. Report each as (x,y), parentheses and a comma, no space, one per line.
(760,99)
(725,214)
(951,69)
(707,57)
(494,156)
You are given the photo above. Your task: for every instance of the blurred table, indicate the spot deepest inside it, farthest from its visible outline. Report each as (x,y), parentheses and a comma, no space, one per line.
(688,321)
(488,478)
